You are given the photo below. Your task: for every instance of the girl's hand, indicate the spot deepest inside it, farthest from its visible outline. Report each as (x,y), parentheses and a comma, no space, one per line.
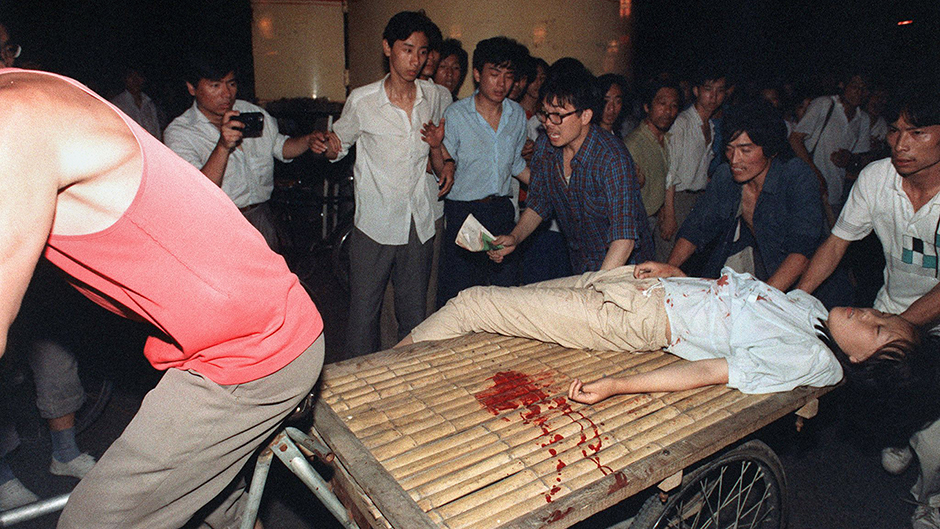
(590,393)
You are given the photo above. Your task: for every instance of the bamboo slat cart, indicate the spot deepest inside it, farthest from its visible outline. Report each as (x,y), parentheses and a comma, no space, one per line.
(477,432)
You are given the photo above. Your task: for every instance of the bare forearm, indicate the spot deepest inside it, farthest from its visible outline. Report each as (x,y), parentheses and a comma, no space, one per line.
(528,221)
(789,271)
(796,140)
(294,147)
(436,158)
(215,166)
(823,263)
(618,253)
(676,377)
(681,252)
(924,312)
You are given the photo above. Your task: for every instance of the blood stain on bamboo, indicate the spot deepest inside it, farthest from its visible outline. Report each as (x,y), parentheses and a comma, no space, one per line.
(513,391)
(558,515)
(620,481)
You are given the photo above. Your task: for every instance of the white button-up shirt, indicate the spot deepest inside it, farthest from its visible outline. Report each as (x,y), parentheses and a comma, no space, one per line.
(768,337)
(249,174)
(145,115)
(689,153)
(391,160)
(837,133)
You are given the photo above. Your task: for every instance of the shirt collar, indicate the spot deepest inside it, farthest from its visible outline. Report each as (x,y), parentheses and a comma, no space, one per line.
(772,181)
(586,152)
(383,94)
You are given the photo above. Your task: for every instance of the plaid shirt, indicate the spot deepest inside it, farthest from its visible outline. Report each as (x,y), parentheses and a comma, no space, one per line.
(600,204)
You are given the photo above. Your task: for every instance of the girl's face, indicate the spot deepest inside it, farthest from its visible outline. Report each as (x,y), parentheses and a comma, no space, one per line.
(861,332)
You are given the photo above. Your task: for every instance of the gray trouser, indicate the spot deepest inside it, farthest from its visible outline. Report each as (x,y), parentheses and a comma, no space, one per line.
(185,447)
(926,444)
(59,391)
(371,266)
(261,216)
(683,202)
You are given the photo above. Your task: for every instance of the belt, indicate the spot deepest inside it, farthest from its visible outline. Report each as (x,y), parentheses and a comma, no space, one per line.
(248,209)
(487,200)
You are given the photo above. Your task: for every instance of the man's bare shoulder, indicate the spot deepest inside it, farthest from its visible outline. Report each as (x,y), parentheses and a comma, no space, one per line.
(48,117)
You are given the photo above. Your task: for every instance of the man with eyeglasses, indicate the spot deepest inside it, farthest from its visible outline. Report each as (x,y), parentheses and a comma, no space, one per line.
(585,176)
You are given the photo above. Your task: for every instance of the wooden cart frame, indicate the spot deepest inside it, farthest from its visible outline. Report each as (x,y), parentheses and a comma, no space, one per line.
(381,416)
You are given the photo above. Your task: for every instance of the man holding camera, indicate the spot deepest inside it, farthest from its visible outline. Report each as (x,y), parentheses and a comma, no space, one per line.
(232,141)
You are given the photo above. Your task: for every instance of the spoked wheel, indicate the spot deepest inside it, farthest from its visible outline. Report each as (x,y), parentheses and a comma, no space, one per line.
(743,489)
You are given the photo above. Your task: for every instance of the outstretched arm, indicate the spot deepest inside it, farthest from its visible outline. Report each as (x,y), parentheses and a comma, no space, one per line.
(823,263)
(674,377)
(29,184)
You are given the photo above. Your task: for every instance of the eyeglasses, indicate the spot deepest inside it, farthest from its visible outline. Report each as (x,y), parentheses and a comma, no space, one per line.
(11,50)
(555,117)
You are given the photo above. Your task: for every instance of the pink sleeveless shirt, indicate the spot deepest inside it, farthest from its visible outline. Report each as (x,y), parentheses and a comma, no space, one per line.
(183,258)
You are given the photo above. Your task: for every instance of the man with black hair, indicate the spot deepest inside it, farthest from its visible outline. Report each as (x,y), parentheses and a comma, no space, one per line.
(396,124)
(452,68)
(435,41)
(649,146)
(484,134)
(585,176)
(210,136)
(525,73)
(761,208)
(690,150)
(833,134)
(899,199)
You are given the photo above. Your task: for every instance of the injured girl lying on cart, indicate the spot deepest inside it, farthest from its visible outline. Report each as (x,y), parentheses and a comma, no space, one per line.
(734,330)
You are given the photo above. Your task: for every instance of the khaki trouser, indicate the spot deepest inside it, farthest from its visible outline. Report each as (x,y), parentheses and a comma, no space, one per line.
(185,447)
(607,310)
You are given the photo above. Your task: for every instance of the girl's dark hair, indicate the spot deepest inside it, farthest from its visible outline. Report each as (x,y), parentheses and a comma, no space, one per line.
(893,393)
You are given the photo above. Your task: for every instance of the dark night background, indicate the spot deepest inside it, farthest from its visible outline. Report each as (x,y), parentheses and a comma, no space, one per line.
(799,40)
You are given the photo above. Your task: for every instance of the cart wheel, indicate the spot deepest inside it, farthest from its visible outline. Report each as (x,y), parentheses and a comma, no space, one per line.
(745,487)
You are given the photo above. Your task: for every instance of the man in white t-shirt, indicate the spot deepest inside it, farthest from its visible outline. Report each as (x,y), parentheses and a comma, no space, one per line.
(899,198)
(833,134)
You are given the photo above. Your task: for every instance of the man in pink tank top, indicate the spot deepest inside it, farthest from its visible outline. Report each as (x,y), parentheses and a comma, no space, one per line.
(143,233)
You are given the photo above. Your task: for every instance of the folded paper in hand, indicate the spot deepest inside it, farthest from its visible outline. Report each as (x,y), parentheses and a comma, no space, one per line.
(475,237)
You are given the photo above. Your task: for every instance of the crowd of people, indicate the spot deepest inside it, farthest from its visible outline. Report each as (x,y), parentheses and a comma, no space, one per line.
(597,196)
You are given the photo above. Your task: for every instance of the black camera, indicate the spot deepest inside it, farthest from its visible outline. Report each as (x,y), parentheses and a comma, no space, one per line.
(254,123)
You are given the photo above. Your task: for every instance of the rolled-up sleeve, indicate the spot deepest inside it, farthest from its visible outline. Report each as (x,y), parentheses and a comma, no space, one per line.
(710,214)
(538,198)
(804,215)
(621,190)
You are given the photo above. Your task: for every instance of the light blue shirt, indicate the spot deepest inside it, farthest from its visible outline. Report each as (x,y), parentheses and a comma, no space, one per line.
(486,159)
(767,337)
